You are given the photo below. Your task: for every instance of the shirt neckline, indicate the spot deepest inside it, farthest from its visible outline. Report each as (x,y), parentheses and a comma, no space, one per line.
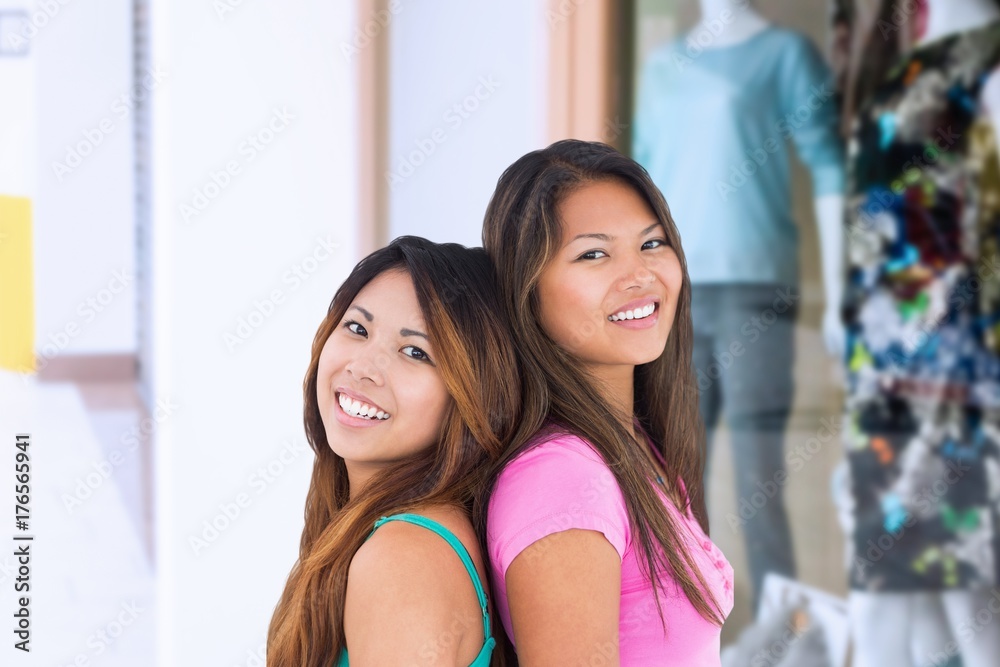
(705,50)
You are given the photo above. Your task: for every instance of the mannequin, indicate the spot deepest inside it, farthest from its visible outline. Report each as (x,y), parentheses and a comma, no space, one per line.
(738,74)
(741,21)
(901,629)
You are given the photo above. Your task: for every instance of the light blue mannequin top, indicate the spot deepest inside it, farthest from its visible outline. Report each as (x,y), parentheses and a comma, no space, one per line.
(711,128)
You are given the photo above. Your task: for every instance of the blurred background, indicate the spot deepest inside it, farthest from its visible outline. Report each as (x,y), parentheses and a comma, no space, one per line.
(182,188)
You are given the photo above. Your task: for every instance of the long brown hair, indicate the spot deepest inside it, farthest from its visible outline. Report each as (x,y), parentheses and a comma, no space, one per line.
(521,231)
(456,289)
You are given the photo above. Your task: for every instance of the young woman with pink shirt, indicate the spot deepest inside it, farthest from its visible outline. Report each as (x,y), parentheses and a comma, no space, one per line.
(594,517)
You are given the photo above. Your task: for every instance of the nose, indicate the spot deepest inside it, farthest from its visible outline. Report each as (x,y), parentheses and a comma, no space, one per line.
(368,366)
(636,275)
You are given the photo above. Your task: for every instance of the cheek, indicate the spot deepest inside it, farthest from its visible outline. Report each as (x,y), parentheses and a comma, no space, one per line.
(567,309)
(670,274)
(428,401)
(328,360)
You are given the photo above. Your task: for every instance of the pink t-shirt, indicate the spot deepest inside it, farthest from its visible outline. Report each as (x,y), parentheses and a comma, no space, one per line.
(563,483)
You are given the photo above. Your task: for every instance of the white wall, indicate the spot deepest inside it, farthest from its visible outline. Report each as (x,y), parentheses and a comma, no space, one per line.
(235,408)
(17,114)
(441,58)
(84,211)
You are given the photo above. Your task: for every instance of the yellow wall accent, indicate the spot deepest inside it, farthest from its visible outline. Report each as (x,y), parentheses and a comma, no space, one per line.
(17,302)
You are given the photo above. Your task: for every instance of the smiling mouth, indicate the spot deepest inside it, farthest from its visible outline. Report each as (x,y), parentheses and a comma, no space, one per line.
(362,410)
(636,314)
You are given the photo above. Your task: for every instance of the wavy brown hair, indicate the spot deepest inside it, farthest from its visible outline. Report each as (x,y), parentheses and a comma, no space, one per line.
(456,289)
(521,233)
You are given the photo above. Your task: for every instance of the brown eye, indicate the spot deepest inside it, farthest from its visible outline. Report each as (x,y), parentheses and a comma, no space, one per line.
(356,328)
(417,353)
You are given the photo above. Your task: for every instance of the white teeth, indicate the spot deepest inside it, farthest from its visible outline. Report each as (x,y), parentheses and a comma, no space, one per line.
(359,409)
(637,314)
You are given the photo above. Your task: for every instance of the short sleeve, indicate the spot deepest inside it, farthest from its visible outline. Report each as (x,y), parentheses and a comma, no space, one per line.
(560,484)
(810,106)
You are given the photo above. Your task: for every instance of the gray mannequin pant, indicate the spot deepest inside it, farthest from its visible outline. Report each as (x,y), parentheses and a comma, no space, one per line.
(743,355)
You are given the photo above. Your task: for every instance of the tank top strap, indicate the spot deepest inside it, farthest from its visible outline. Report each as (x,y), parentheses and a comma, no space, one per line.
(459,549)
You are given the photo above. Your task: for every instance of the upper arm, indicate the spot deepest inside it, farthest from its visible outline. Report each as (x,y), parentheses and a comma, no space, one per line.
(558,530)
(564,593)
(403,601)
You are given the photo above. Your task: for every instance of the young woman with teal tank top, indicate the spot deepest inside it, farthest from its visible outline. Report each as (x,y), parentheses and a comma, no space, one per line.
(412,390)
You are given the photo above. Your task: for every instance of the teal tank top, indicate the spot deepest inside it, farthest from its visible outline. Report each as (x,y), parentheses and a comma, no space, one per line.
(483,659)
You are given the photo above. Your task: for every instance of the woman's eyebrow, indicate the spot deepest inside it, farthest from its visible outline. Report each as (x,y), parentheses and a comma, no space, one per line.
(411,332)
(607,238)
(368,316)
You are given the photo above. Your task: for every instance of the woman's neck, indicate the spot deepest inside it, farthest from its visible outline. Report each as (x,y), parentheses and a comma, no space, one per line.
(947,17)
(616,386)
(727,22)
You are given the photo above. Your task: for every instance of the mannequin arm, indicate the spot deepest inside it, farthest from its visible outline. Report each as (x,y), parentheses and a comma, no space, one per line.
(830,222)
(990,97)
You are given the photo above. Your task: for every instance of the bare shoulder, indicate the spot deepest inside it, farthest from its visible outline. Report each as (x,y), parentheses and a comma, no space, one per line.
(412,557)
(407,591)
(403,543)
